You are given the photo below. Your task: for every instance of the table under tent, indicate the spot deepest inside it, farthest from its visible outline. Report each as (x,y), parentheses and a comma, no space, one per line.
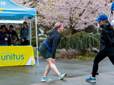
(10,12)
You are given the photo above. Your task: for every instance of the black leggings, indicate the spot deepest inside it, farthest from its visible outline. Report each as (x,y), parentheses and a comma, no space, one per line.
(100,56)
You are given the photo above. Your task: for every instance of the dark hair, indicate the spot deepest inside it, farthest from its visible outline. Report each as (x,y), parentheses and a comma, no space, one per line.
(3,26)
(25,23)
(11,26)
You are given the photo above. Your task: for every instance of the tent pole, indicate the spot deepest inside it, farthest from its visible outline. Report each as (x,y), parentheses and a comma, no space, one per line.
(30,33)
(36,22)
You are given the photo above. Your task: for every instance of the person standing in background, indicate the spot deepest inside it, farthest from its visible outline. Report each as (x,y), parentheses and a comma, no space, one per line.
(24,34)
(12,36)
(3,35)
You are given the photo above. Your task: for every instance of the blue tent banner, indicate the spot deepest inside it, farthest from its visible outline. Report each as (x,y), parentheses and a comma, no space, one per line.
(9,10)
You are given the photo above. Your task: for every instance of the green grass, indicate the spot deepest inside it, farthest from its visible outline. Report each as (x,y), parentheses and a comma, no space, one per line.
(85,58)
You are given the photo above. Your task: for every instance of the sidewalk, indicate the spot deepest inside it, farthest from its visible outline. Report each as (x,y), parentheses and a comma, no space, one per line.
(76,71)
(102,79)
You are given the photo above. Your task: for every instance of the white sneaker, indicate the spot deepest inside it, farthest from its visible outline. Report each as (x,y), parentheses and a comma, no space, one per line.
(62,76)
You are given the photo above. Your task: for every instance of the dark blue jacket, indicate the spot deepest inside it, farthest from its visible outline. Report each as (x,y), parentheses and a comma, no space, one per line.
(107,38)
(52,41)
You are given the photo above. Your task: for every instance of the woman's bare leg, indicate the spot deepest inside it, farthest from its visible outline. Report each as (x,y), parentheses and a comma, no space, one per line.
(47,69)
(53,66)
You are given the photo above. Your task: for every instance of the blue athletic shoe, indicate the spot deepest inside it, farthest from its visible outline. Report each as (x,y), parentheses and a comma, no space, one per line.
(91,79)
(45,79)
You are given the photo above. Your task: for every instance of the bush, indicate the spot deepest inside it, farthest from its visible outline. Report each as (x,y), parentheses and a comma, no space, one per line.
(68,54)
(80,41)
(75,54)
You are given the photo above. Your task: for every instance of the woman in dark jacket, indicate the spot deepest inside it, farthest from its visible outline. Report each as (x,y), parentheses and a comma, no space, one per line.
(48,50)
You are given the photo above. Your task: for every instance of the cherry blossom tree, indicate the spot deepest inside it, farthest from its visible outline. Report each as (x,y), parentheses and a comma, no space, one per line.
(76,14)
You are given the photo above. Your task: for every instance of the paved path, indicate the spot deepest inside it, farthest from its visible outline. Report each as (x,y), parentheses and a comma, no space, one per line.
(76,70)
(103,79)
